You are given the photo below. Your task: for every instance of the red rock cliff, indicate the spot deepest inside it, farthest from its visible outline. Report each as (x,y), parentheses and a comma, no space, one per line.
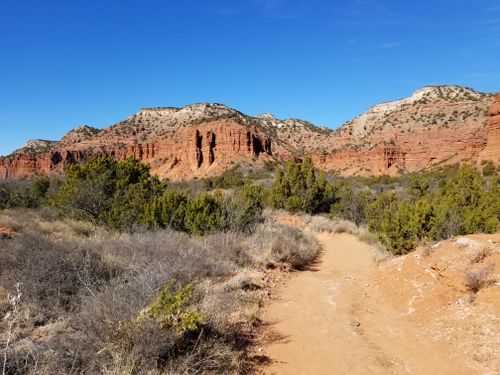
(492,150)
(435,126)
(188,152)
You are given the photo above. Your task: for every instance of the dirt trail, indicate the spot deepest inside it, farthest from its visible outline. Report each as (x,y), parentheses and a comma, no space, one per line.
(331,320)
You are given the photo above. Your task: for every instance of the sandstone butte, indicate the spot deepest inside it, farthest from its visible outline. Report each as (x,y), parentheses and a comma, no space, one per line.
(436,126)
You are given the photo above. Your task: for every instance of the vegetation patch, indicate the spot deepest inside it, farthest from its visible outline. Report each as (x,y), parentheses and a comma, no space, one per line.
(96,301)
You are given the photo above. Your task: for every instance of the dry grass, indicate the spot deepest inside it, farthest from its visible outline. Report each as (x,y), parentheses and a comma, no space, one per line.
(44,221)
(476,279)
(337,225)
(275,245)
(84,288)
(482,254)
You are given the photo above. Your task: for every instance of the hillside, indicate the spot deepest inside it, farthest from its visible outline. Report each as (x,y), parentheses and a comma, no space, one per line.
(436,125)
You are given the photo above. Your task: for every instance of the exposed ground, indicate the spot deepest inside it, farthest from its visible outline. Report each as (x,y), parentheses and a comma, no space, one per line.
(406,315)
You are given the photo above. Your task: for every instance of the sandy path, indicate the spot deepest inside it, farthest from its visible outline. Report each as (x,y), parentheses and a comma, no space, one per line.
(332,321)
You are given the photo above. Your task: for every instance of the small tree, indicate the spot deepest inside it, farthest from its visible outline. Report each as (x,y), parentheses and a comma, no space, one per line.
(247,207)
(106,191)
(206,213)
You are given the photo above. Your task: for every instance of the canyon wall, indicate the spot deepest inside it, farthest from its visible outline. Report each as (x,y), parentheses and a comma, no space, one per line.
(435,126)
(198,151)
(492,149)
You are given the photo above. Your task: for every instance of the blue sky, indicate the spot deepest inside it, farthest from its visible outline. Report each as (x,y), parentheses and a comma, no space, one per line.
(68,63)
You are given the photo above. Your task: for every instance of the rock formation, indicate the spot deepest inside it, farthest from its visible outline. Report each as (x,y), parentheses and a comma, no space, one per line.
(492,149)
(199,150)
(435,126)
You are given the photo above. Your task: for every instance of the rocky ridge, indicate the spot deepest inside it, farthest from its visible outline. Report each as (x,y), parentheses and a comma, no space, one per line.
(435,126)
(179,143)
(35,146)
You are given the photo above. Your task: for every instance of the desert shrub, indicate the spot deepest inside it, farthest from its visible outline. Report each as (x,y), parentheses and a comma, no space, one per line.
(398,231)
(230,179)
(331,225)
(293,204)
(206,213)
(437,205)
(269,245)
(280,190)
(232,249)
(350,204)
(24,194)
(88,188)
(245,210)
(111,335)
(40,188)
(106,191)
(173,310)
(140,327)
(168,211)
(482,254)
(124,196)
(466,204)
(476,279)
(400,210)
(418,186)
(45,220)
(53,274)
(276,245)
(394,222)
(236,177)
(423,218)
(299,187)
(489,168)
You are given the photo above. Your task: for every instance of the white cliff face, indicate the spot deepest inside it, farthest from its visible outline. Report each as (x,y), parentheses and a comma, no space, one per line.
(429,106)
(267,119)
(428,94)
(295,135)
(159,120)
(162,121)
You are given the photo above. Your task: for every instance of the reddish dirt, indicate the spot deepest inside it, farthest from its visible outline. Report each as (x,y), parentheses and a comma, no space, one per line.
(6,233)
(407,315)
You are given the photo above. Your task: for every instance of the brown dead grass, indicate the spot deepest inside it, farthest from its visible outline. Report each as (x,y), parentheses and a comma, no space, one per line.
(476,279)
(84,287)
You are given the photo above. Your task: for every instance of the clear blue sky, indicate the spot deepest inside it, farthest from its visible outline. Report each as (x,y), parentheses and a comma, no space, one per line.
(65,63)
